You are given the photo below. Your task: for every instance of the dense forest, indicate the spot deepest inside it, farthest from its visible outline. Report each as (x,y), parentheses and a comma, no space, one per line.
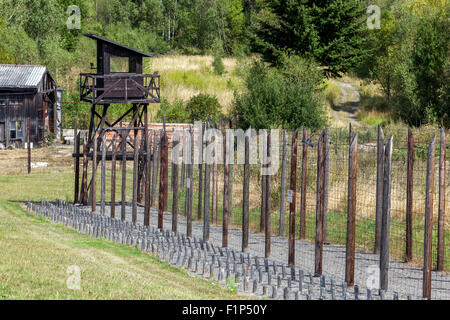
(295,46)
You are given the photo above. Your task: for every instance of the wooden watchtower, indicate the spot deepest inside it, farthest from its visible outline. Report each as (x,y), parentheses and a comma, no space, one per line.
(110,85)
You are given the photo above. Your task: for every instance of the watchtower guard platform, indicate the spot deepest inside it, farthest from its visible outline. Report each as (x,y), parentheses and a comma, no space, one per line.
(108,86)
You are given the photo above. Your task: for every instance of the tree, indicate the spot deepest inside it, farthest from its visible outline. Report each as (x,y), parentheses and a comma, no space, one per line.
(330,31)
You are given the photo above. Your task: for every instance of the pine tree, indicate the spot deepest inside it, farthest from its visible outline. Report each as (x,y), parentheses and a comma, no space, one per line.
(328,30)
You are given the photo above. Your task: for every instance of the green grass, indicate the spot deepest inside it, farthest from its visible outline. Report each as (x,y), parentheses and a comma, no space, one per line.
(35,256)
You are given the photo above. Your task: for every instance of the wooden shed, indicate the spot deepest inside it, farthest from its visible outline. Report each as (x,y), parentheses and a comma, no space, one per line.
(27,91)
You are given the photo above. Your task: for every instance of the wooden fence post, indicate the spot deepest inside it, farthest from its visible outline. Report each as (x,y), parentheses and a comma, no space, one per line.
(441,214)
(148,170)
(351,210)
(268,199)
(326,167)
(94,175)
(29,145)
(226,191)
(103,177)
(124,135)
(113,177)
(262,223)
(379,192)
(200,174)
(155,160)
(283,184)
(84,198)
(163,177)
(386,217)
(214,187)
(246,194)
(303,186)
(292,197)
(135,177)
(409,196)
(206,200)
(76,150)
(175,163)
(428,234)
(190,184)
(319,207)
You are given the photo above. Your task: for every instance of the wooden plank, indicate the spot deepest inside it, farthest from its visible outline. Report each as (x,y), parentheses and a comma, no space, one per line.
(76,149)
(226,190)
(268,202)
(29,144)
(318,252)
(351,212)
(379,190)
(124,175)
(386,225)
(303,185)
(163,178)
(283,184)
(246,195)
(94,175)
(135,179)
(428,232)
(206,199)
(190,184)
(84,192)
(409,197)
(441,206)
(113,176)
(103,176)
(175,163)
(292,198)
(148,179)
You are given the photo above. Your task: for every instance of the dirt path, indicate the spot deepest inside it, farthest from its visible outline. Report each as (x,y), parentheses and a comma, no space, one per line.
(345,111)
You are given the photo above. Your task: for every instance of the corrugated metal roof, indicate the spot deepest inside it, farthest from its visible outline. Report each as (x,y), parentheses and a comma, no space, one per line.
(21,76)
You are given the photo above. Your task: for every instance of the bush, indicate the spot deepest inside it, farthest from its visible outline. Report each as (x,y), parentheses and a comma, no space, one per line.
(218,66)
(202,105)
(287,97)
(196,109)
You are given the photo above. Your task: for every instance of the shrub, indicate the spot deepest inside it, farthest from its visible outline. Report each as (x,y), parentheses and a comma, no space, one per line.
(288,96)
(174,113)
(218,66)
(202,105)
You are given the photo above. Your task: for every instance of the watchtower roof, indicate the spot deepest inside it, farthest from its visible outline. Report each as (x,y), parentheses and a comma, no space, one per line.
(116,44)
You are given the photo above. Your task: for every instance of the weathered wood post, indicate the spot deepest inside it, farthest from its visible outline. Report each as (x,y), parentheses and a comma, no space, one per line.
(326,167)
(135,177)
(190,184)
(76,150)
(175,164)
(303,185)
(29,145)
(123,206)
(441,212)
(262,223)
(155,160)
(292,198)
(379,190)
(386,218)
(207,200)
(351,210)
(148,170)
(246,194)
(94,175)
(84,192)
(163,177)
(113,176)
(428,234)
(200,174)
(268,199)
(214,186)
(283,184)
(409,197)
(103,175)
(319,206)
(226,190)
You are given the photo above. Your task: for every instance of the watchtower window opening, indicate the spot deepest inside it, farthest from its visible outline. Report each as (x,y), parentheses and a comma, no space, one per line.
(120,64)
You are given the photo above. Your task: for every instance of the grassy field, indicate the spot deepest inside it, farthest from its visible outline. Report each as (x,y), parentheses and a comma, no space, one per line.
(35,254)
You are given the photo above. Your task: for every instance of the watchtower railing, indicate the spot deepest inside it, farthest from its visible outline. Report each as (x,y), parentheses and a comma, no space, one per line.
(120,88)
